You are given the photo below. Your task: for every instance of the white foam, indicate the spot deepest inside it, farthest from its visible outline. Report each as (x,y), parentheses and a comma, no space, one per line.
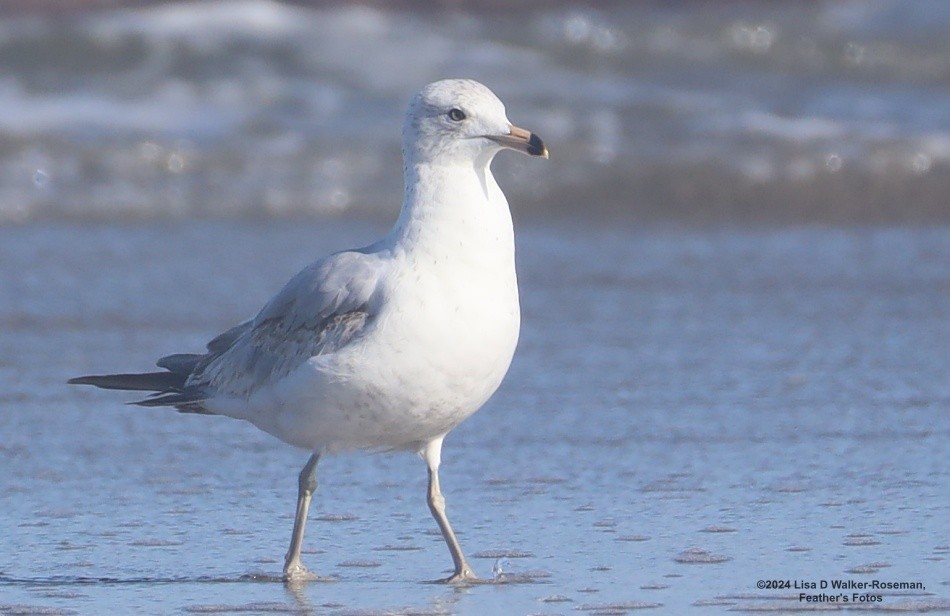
(208,21)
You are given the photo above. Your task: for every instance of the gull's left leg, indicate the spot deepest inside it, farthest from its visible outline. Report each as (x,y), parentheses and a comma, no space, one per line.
(307,483)
(432,454)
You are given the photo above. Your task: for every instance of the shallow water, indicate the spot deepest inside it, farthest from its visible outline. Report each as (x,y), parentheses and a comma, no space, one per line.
(689,412)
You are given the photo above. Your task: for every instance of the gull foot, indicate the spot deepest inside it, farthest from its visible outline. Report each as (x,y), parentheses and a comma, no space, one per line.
(297,573)
(465,576)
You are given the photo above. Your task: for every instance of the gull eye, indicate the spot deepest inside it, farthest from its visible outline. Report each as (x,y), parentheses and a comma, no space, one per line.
(456,115)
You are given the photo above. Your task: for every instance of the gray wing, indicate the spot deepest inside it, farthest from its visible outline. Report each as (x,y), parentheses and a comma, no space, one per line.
(320,310)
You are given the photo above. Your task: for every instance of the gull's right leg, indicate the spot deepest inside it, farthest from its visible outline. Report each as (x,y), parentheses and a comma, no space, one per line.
(307,483)
(432,454)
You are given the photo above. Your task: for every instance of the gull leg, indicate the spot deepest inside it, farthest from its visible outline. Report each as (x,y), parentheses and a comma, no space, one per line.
(307,483)
(432,454)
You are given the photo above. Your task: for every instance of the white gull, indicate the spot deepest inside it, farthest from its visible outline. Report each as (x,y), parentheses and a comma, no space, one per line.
(386,347)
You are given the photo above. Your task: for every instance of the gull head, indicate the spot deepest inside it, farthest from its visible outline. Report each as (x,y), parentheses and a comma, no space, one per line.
(460,121)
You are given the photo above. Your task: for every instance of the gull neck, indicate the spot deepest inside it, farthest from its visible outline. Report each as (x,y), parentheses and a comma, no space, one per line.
(451,203)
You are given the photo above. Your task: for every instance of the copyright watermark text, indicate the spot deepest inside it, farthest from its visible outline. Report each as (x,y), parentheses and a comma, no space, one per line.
(838,590)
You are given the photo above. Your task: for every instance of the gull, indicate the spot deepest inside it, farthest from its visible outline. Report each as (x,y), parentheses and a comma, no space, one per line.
(386,347)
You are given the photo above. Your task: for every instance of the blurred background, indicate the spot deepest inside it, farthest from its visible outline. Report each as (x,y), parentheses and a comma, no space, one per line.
(688,111)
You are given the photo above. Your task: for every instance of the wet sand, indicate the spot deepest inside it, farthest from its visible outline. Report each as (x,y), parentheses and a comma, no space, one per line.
(689,412)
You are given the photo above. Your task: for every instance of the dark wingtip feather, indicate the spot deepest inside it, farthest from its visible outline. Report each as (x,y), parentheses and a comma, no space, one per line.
(180,363)
(184,402)
(149,381)
(168,389)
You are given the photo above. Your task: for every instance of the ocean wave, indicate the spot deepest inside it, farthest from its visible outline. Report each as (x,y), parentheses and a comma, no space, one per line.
(245,108)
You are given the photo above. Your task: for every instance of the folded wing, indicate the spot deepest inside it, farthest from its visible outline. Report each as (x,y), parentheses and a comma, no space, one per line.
(321,310)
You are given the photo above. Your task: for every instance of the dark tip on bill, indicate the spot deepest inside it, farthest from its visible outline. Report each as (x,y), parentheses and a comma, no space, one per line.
(536,146)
